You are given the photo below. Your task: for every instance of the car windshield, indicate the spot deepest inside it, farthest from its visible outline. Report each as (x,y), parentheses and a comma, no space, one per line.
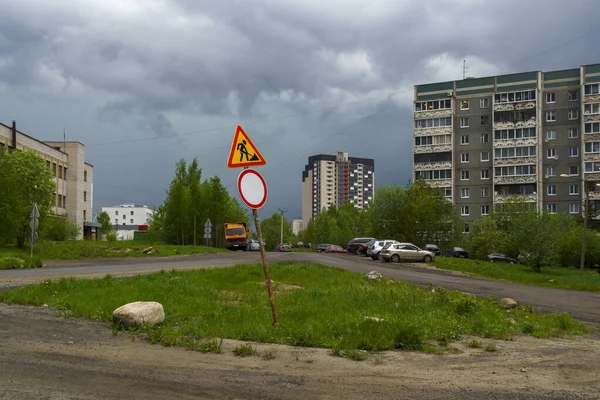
(459,249)
(235,231)
(387,245)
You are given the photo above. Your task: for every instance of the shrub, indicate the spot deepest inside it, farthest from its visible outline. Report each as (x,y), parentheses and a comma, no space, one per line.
(408,338)
(475,344)
(111,237)
(491,348)
(58,229)
(244,350)
(17,263)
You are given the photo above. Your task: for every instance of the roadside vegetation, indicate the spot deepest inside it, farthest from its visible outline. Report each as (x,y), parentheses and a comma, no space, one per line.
(318,306)
(554,277)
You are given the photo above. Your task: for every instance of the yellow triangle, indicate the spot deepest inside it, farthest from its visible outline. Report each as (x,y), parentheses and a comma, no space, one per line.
(243,152)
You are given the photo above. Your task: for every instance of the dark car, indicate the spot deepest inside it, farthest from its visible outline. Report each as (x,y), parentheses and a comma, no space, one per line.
(499,257)
(364,248)
(322,247)
(456,252)
(355,245)
(283,247)
(432,248)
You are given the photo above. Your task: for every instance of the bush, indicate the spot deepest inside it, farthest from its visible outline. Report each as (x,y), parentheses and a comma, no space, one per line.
(409,338)
(111,237)
(244,350)
(17,263)
(58,229)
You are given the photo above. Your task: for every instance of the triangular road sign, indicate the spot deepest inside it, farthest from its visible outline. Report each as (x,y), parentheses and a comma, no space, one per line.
(243,152)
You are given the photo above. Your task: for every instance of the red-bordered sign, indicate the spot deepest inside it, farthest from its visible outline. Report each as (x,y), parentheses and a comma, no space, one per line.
(243,152)
(252,188)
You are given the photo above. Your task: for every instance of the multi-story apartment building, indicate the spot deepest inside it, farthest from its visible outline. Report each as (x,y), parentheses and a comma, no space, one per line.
(72,175)
(533,134)
(334,179)
(296,226)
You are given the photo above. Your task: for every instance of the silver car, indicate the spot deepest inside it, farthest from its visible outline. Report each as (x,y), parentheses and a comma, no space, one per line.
(376,247)
(407,252)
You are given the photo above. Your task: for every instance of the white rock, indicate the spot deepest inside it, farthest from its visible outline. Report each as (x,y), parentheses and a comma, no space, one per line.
(375,319)
(139,313)
(507,302)
(374,276)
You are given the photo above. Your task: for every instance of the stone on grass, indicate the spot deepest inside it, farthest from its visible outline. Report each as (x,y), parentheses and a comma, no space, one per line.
(374,276)
(374,319)
(147,250)
(507,302)
(139,313)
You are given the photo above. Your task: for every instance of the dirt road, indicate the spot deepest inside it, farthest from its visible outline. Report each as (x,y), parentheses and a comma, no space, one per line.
(45,357)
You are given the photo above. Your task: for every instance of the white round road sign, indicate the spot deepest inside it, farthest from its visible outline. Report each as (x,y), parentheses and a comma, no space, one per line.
(252,188)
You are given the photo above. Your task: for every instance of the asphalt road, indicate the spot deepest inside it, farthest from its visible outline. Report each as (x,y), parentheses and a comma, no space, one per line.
(582,305)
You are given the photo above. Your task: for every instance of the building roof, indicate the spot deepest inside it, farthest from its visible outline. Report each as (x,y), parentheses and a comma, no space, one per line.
(32,138)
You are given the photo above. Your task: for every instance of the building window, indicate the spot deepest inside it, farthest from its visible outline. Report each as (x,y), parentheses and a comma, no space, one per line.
(485,192)
(433,105)
(464,122)
(84,196)
(116,213)
(484,138)
(464,139)
(550,135)
(116,221)
(573,114)
(485,156)
(551,190)
(573,170)
(84,215)
(464,175)
(574,208)
(573,95)
(485,210)
(60,172)
(550,97)
(573,189)
(465,193)
(552,153)
(484,103)
(131,221)
(65,173)
(464,105)
(573,133)
(131,212)
(485,174)
(573,152)
(550,171)
(591,88)
(85,176)
(447,191)
(593,108)
(592,127)
(510,97)
(54,169)
(124,216)
(464,210)
(466,228)
(64,204)
(464,158)
(433,122)
(551,116)
(485,120)
(551,208)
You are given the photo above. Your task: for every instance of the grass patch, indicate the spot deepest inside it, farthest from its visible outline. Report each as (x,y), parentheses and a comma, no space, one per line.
(318,306)
(491,348)
(244,350)
(268,355)
(475,344)
(13,262)
(88,249)
(555,277)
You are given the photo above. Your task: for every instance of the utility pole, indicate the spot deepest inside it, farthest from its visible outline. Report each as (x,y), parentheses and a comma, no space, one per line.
(465,69)
(281,235)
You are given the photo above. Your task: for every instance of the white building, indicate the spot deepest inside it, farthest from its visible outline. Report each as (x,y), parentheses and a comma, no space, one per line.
(296,226)
(73,176)
(127,218)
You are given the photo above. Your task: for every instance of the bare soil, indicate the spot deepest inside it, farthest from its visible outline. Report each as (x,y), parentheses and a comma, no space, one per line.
(43,356)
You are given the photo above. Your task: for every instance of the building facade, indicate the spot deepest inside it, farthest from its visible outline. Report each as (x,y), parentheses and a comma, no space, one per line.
(297,226)
(535,135)
(334,179)
(73,176)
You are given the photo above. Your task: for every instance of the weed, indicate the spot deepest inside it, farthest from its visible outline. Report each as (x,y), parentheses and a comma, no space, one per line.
(210,346)
(268,355)
(528,328)
(475,344)
(565,322)
(244,350)
(378,361)
(356,355)
(491,348)
(408,338)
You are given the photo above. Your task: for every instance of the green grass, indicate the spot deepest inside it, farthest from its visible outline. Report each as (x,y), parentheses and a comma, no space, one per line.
(318,306)
(17,262)
(491,348)
(88,249)
(244,350)
(555,277)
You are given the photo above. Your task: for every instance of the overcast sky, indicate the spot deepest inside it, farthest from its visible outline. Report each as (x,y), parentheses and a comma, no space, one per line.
(143,83)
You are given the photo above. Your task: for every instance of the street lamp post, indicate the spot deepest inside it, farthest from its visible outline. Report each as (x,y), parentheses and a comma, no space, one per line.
(584,214)
(281,233)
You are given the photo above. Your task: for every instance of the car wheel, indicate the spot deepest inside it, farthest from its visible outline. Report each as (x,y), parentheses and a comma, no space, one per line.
(374,257)
(427,259)
(357,251)
(395,258)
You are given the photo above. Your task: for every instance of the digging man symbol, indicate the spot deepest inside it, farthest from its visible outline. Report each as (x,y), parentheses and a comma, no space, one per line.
(241,147)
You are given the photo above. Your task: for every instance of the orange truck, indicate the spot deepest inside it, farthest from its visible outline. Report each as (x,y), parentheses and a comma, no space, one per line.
(236,236)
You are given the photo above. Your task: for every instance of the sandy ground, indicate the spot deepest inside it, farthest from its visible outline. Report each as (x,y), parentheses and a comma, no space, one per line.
(46,357)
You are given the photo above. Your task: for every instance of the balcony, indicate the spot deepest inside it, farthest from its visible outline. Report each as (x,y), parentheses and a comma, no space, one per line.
(501,198)
(424,166)
(433,148)
(591,98)
(442,130)
(515,142)
(439,183)
(432,114)
(515,160)
(515,179)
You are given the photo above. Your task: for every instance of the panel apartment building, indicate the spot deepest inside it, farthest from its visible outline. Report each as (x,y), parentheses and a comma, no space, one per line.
(73,177)
(534,134)
(334,179)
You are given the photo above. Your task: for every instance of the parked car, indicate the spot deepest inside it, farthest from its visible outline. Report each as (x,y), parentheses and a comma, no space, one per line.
(355,245)
(432,248)
(456,252)
(335,249)
(253,245)
(405,251)
(322,247)
(283,247)
(377,246)
(364,248)
(499,257)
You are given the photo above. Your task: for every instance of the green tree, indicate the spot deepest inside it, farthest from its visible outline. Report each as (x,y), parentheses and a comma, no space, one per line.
(486,238)
(105,222)
(271,230)
(25,180)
